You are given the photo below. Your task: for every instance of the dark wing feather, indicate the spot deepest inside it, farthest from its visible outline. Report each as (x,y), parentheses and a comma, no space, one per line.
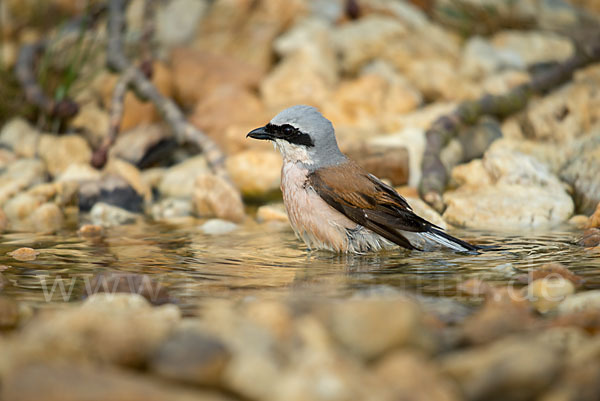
(367,201)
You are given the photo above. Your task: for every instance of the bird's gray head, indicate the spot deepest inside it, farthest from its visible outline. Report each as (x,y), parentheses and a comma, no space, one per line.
(302,135)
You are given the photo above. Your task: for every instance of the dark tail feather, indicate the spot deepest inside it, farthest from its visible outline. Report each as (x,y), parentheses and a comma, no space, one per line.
(453,242)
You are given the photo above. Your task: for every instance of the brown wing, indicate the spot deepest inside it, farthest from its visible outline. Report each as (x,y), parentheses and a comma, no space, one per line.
(367,201)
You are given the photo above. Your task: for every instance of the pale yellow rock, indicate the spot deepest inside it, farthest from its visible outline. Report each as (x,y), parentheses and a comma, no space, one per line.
(579,221)
(507,190)
(365,39)
(295,81)
(79,173)
(131,174)
(216,197)
(47,218)
(59,152)
(272,213)
(256,173)
(427,212)
(20,136)
(179,180)
(547,293)
(471,174)
(93,122)
(535,46)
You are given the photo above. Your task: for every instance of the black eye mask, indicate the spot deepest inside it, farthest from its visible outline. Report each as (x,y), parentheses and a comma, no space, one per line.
(290,134)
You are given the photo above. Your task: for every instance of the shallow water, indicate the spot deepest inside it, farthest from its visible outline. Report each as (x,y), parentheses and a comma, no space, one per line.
(267,260)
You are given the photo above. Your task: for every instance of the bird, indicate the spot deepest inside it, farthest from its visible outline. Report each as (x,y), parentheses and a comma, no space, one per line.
(333,203)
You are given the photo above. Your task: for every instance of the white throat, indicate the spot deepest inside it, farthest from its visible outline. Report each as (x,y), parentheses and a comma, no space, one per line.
(292,153)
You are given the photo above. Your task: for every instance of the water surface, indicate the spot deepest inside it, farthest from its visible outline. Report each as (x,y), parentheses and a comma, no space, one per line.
(267,260)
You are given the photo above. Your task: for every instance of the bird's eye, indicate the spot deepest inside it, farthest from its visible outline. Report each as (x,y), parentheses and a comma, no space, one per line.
(288,130)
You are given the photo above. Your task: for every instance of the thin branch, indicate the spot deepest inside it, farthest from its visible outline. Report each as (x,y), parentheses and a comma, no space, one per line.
(25,72)
(445,128)
(117,106)
(184,131)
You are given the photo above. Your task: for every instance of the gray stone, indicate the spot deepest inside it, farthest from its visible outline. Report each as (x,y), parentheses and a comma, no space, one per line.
(106,215)
(218,227)
(582,172)
(191,356)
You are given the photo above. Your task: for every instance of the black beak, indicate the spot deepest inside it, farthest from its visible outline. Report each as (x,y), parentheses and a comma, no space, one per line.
(260,133)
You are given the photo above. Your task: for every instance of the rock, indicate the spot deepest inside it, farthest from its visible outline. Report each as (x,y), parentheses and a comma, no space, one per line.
(229,107)
(20,208)
(256,173)
(384,162)
(136,112)
(370,327)
(580,302)
(419,120)
(295,80)
(545,294)
(131,175)
(320,373)
(79,173)
(47,218)
(427,212)
(563,115)
(198,74)
(308,70)
(19,136)
(579,221)
(171,208)
(256,26)
(214,196)
(122,329)
(365,39)
(582,171)
(24,254)
(272,213)
(515,368)
(481,59)
(594,220)
(140,144)
(218,227)
(3,221)
(361,104)
(514,191)
(58,152)
(177,21)
(9,312)
(94,122)
(552,270)
(47,380)
(534,47)
(90,231)
(107,215)
(179,181)
(112,190)
(20,175)
(503,82)
(504,312)
(439,81)
(408,375)
(140,284)
(7,158)
(192,357)
(475,287)
(591,238)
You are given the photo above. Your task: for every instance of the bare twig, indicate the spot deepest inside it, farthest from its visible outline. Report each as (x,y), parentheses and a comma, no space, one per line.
(184,131)
(435,176)
(116,114)
(25,72)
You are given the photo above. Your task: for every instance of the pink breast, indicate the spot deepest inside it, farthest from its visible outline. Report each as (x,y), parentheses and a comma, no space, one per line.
(311,217)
